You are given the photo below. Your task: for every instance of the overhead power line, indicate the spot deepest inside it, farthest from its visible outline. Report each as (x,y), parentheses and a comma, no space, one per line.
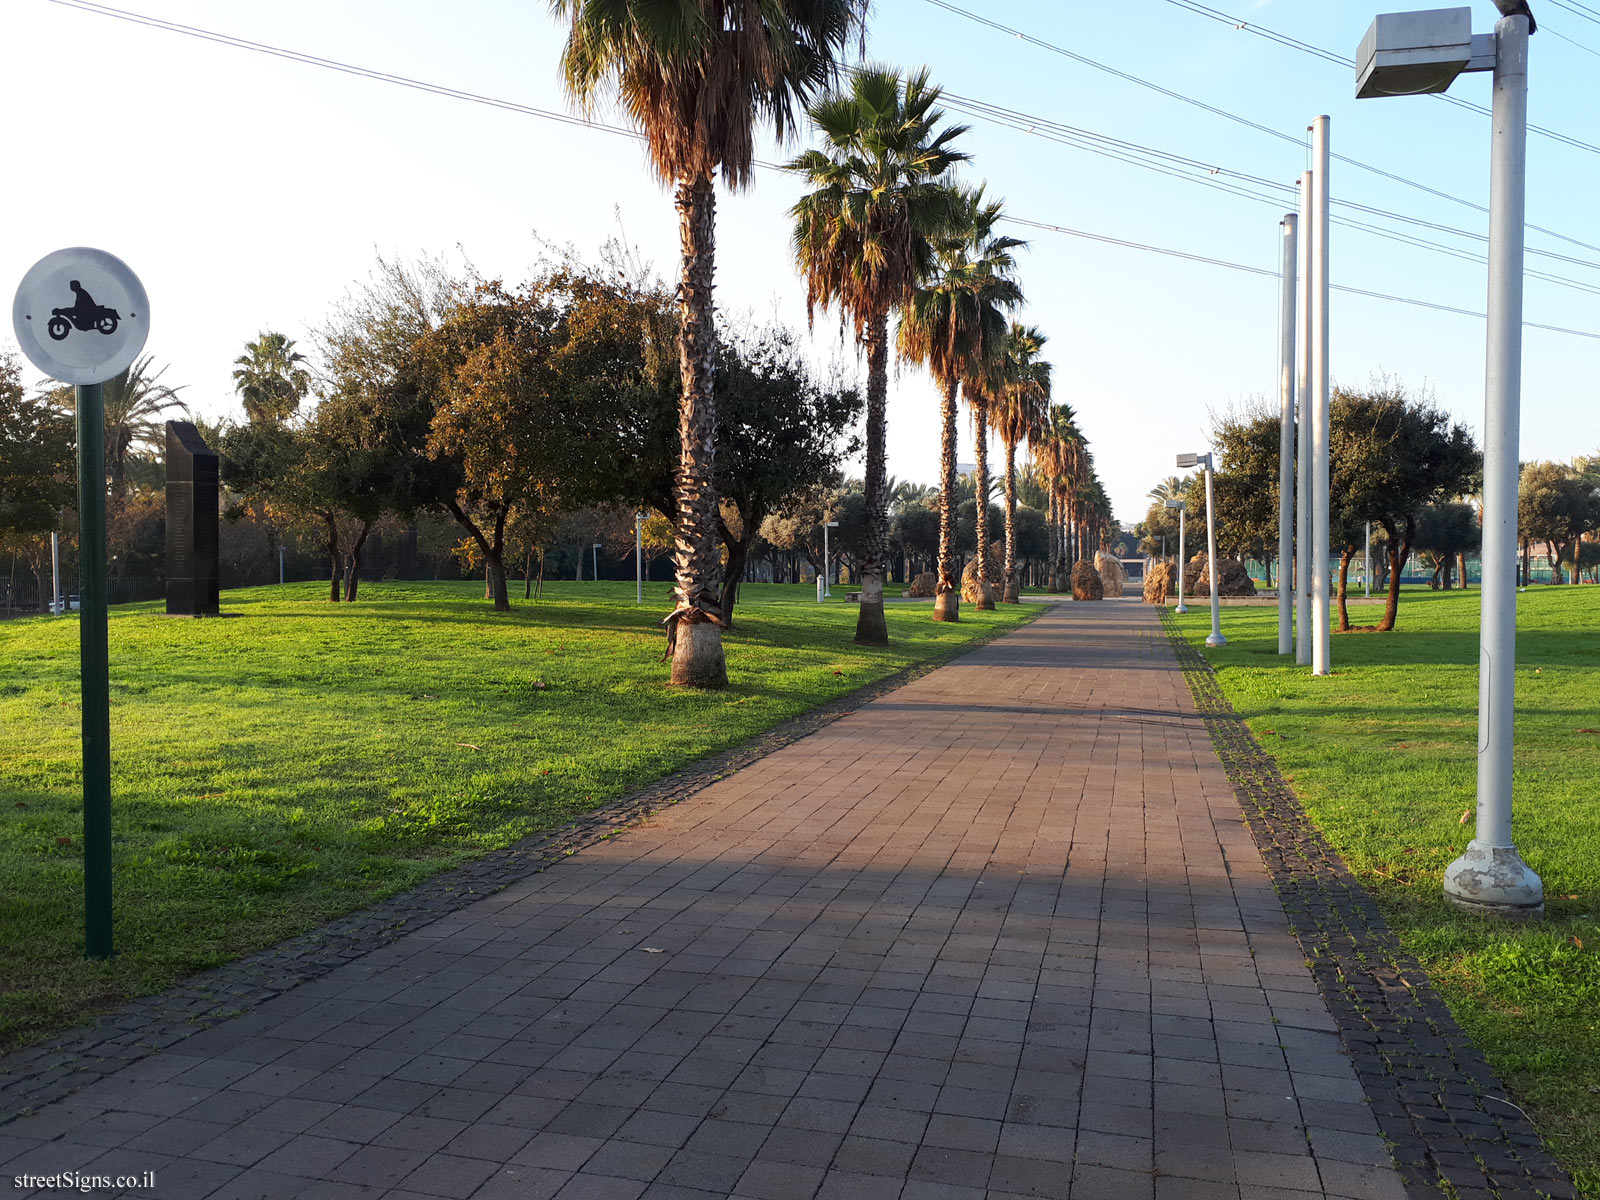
(90,6)
(1240,184)
(1183,98)
(1341,60)
(1265,271)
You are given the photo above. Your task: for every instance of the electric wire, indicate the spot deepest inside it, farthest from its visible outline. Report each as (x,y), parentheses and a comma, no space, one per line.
(1570,41)
(1578,10)
(1340,60)
(1264,271)
(90,6)
(1245,121)
(1125,151)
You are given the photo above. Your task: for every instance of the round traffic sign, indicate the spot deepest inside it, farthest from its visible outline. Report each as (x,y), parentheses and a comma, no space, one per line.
(81,315)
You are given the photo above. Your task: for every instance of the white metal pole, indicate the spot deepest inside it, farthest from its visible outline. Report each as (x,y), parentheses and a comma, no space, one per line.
(1286,372)
(55,572)
(594,557)
(1302,391)
(1320,433)
(1366,563)
(638,557)
(280,562)
(1216,638)
(1490,875)
(827,577)
(1183,561)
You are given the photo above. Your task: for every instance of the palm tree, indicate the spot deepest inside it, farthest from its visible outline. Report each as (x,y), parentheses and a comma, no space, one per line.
(863,238)
(1063,453)
(695,76)
(270,380)
(1170,488)
(1020,415)
(956,324)
(135,402)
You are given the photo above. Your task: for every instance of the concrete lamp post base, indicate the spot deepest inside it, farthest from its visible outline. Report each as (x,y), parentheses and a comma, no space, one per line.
(1182,608)
(1216,639)
(1494,880)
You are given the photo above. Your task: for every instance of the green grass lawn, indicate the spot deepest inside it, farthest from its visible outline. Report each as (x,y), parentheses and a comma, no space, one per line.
(298,759)
(1383,754)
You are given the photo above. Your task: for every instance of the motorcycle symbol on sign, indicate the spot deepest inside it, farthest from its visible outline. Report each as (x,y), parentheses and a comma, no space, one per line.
(84,315)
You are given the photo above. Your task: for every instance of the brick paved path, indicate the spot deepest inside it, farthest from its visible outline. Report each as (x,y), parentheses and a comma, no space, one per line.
(856,969)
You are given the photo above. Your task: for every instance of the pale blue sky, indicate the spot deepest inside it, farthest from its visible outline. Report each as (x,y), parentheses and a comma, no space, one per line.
(249,191)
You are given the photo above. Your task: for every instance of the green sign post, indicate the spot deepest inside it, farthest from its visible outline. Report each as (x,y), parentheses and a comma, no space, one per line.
(81,316)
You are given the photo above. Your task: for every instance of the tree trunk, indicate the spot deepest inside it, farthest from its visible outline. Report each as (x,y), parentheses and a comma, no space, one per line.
(1397,557)
(980,480)
(527,575)
(333,557)
(1344,582)
(1461,568)
(738,560)
(947,595)
(871,627)
(694,634)
(352,572)
(1013,589)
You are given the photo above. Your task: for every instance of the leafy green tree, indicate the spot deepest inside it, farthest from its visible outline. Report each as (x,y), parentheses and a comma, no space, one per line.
(270,378)
(863,239)
(37,446)
(955,325)
(1445,534)
(696,76)
(1557,504)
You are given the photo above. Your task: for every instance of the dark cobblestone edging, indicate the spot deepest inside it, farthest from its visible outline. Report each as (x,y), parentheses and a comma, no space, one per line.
(54,1069)
(1438,1103)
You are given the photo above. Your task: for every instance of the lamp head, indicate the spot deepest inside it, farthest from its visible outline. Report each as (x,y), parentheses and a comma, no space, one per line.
(1177,504)
(1188,460)
(1413,53)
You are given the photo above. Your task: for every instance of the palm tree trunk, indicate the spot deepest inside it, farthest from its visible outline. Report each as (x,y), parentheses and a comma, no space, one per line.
(1012,593)
(947,595)
(980,479)
(694,628)
(871,628)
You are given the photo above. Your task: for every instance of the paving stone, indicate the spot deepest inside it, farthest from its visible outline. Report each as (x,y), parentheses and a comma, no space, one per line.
(926,953)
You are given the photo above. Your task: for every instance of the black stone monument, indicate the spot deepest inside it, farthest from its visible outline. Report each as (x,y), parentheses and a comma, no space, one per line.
(192,582)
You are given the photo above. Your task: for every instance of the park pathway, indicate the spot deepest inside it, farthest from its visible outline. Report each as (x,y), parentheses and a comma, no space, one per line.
(999,933)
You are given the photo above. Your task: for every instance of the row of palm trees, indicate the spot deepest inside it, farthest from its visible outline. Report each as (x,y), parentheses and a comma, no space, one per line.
(884,231)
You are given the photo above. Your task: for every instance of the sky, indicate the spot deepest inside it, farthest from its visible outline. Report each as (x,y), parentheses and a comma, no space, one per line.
(251,192)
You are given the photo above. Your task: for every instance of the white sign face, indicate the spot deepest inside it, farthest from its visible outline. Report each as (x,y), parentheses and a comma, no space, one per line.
(81,315)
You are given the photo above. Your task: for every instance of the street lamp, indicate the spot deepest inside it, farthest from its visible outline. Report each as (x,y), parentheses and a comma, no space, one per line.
(596,560)
(1205,460)
(1415,53)
(1183,513)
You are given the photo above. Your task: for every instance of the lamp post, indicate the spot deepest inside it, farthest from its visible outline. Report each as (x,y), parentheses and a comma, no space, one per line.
(1286,402)
(1205,460)
(55,573)
(595,560)
(827,581)
(1183,512)
(1413,54)
(638,557)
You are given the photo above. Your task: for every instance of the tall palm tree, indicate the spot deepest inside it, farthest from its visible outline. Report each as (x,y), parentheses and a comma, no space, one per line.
(1019,416)
(695,76)
(955,325)
(270,379)
(1063,451)
(863,238)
